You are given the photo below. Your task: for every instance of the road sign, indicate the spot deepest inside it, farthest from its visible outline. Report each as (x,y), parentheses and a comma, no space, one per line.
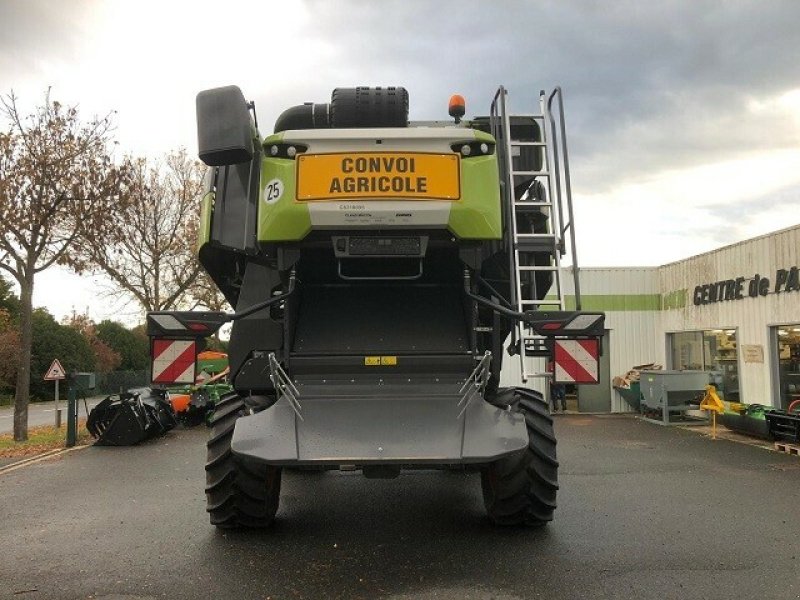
(577,361)
(174,361)
(55,372)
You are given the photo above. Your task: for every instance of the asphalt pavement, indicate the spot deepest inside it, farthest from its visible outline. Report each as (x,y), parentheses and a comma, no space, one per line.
(644,512)
(43,413)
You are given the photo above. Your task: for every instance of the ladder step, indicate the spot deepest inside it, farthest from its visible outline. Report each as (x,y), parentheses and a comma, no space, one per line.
(536,246)
(540,302)
(537,268)
(531,173)
(532,203)
(516,144)
(531,207)
(535,347)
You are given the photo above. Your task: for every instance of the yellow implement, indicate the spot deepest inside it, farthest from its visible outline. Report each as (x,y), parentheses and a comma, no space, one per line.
(711,402)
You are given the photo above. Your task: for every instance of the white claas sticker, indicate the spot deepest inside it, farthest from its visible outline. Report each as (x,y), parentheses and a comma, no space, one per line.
(273,191)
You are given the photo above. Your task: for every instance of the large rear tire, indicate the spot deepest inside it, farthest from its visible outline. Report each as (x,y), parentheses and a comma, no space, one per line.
(239,493)
(520,489)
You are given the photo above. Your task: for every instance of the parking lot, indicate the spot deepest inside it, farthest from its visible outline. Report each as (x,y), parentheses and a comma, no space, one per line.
(644,512)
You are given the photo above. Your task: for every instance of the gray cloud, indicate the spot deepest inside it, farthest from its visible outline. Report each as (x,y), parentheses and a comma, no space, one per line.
(35,30)
(649,86)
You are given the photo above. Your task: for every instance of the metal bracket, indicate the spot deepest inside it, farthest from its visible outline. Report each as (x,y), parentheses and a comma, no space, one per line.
(283,385)
(475,383)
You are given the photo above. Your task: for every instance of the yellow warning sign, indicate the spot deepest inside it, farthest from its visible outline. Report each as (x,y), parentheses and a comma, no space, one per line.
(372,361)
(378,175)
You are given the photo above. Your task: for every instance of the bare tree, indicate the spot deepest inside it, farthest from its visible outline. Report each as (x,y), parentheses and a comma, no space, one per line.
(57,183)
(204,293)
(151,259)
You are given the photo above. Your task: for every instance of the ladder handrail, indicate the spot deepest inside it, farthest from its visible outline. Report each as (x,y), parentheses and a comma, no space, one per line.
(568,190)
(521,257)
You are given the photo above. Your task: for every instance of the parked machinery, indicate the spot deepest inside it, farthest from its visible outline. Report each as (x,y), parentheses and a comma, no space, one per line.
(378,267)
(669,396)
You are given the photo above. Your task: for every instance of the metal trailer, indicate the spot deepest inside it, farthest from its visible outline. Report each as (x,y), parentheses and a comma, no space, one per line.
(380,269)
(668,396)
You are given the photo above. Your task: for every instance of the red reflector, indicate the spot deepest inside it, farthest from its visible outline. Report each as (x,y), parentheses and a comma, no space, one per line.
(551,326)
(197,327)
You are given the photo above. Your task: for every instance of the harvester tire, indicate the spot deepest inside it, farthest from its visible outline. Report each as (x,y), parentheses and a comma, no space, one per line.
(521,489)
(239,493)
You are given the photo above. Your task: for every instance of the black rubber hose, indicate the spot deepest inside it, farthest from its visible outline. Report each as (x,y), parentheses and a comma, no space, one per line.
(266,303)
(304,116)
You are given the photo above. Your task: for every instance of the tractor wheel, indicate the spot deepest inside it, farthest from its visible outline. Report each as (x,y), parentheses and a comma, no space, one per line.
(239,493)
(520,489)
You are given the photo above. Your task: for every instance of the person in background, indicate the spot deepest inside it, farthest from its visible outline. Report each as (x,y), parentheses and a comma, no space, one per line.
(558,393)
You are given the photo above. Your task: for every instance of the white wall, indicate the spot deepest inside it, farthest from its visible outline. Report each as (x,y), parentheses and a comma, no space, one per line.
(634,337)
(631,296)
(750,317)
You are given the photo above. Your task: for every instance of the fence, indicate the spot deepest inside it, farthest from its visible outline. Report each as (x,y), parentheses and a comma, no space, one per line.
(120,381)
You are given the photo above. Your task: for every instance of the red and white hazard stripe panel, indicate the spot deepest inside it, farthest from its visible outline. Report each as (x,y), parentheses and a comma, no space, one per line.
(577,361)
(174,361)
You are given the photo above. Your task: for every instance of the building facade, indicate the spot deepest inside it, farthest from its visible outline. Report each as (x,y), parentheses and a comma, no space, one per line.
(734,312)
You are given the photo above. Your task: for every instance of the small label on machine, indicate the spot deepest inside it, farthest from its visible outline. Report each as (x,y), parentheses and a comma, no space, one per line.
(378,175)
(380,361)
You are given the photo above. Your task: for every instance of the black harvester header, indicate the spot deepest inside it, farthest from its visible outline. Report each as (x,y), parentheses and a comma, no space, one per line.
(131,417)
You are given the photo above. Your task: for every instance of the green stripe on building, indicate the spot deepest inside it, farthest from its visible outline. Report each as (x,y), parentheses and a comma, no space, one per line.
(611,302)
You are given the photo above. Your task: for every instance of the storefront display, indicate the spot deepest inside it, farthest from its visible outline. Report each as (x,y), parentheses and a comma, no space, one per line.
(713,350)
(788,349)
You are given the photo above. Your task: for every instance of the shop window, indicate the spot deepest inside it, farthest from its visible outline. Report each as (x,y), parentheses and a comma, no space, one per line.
(714,351)
(788,340)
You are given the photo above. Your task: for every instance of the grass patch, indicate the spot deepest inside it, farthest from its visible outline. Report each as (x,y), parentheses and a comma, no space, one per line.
(40,439)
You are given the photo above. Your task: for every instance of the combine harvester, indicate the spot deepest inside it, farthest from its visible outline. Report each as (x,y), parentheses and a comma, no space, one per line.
(380,269)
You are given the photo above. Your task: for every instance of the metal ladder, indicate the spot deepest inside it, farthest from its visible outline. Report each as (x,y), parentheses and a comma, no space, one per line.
(536,191)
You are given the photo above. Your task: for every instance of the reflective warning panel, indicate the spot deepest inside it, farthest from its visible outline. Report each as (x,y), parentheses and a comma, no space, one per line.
(577,361)
(173,360)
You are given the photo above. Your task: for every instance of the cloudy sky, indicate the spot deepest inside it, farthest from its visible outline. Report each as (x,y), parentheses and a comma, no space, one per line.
(683,117)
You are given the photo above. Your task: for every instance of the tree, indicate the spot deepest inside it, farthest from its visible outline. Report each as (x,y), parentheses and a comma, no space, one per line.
(205,294)
(9,350)
(155,234)
(132,346)
(9,336)
(106,359)
(57,183)
(8,299)
(52,340)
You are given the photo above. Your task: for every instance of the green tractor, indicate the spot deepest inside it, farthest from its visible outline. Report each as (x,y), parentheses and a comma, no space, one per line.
(380,270)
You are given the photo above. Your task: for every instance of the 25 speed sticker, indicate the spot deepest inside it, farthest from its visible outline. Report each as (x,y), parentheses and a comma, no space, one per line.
(273,191)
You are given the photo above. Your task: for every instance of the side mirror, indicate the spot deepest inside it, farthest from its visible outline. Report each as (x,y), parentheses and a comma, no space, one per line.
(224,127)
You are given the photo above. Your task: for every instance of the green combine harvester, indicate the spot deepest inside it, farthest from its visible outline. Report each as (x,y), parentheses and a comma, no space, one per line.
(380,270)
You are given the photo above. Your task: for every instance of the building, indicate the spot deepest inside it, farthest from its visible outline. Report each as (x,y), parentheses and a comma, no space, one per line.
(734,312)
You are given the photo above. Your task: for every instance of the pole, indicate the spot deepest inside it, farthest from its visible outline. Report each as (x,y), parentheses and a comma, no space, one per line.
(72,414)
(58,411)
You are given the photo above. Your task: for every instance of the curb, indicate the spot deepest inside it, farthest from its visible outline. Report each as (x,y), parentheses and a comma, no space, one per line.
(31,460)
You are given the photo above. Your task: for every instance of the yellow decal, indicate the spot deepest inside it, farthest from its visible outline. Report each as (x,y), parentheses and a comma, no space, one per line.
(378,175)
(378,361)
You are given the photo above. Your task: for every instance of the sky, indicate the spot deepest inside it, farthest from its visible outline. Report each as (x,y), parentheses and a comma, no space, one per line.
(683,118)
